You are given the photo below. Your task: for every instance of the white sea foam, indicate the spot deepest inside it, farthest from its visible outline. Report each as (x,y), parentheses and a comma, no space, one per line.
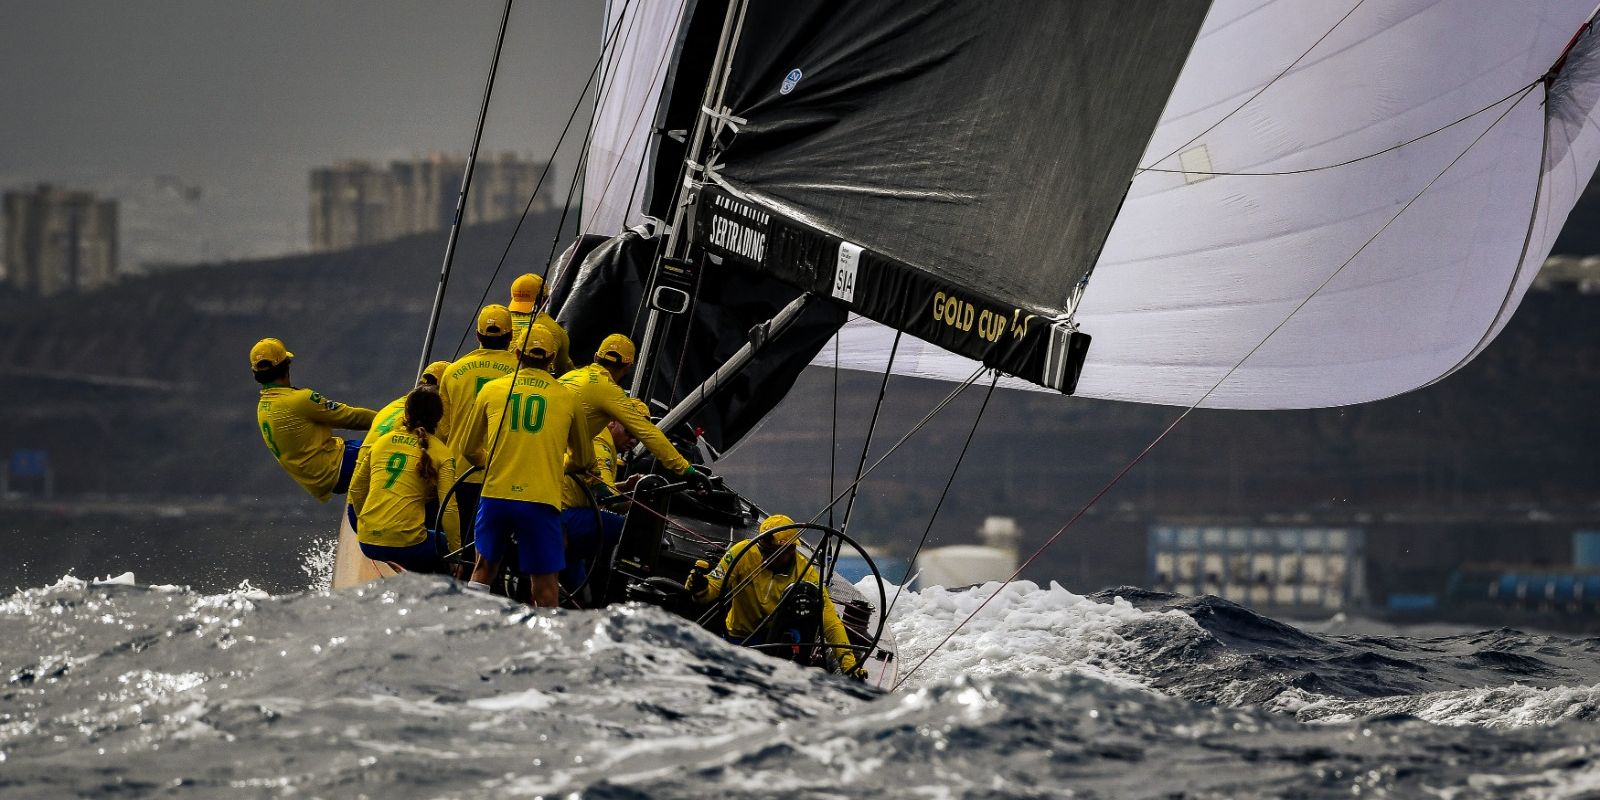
(1514,706)
(1025,629)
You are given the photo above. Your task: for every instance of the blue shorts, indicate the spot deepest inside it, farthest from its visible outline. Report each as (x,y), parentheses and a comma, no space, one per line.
(584,543)
(347,467)
(424,556)
(535,527)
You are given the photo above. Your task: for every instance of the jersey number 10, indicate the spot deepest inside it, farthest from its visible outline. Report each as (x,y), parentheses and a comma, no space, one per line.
(527,412)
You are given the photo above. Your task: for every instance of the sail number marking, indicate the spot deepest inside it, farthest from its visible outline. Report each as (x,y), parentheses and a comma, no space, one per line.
(844,274)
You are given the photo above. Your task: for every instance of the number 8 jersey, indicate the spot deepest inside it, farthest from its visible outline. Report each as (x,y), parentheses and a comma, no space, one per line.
(524,424)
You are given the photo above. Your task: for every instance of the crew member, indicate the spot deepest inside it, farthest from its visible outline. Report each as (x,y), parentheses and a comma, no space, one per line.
(297,425)
(528,294)
(460,384)
(389,416)
(762,575)
(592,532)
(519,429)
(397,478)
(598,385)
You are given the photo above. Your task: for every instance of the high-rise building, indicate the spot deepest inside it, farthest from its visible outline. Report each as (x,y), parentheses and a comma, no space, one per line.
(358,202)
(59,240)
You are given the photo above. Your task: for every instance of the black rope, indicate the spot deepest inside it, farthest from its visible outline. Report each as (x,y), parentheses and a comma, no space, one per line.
(946,493)
(539,184)
(871,426)
(1522,90)
(833,438)
(1196,404)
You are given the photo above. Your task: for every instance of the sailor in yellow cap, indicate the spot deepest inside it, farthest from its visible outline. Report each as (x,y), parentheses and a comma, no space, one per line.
(297,425)
(762,572)
(389,416)
(527,307)
(399,478)
(519,429)
(599,386)
(460,383)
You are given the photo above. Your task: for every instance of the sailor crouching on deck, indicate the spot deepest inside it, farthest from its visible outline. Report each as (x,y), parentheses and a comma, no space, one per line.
(527,294)
(297,425)
(603,401)
(460,384)
(763,575)
(520,428)
(397,477)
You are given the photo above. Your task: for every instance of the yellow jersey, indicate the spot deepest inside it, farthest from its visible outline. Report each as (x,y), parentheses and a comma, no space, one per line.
(603,401)
(605,462)
(391,498)
(519,326)
(523,433)
(762,591)
(461,382)
(297,425)
(388,418)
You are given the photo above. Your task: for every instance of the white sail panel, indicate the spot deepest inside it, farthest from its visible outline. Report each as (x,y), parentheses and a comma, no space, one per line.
(1423,244)
(633,74)
(1339,285)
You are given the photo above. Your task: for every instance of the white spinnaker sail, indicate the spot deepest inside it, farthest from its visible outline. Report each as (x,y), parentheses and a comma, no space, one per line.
(1426,249)
(633,72)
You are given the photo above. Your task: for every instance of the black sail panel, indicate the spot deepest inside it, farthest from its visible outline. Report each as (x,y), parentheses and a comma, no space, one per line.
(947,167)
(607,289)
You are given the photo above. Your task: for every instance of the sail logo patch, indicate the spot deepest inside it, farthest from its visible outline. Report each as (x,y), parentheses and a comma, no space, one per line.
(844,274)
(790,80)
(733,229)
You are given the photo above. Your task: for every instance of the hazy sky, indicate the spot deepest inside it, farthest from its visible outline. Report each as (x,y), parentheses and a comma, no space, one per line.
(243,98)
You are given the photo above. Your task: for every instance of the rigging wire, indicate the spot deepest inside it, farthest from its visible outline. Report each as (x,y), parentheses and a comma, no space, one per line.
(1519,90)
(1252,97)
(872,426)
(1196,404)
(544,173)
(461,198)
(920,424)
(942,495)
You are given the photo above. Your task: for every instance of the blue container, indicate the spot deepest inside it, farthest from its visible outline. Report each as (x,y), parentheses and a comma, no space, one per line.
(1586,549)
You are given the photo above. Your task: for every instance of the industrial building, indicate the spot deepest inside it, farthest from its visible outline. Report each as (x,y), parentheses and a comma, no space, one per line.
(357,203)
(58,240)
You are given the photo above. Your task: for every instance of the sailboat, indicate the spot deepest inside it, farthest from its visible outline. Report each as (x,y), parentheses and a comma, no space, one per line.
(1238,204)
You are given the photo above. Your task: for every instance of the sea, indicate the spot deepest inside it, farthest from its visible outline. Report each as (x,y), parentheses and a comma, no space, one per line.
(414,688)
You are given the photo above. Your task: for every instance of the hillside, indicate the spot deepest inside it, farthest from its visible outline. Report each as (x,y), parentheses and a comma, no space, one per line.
(143,390)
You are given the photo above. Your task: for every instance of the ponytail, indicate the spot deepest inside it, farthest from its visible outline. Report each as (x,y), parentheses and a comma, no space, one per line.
(424,409)
(430,475)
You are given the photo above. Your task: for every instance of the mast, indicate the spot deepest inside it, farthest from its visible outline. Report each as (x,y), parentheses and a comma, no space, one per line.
(675,300)
(461,199)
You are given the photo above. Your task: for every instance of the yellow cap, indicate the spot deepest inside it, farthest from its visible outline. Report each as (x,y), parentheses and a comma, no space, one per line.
(525,292)
(436,371)
(268,353)
(615,348)
(494,320)
(539,342)
(778,521)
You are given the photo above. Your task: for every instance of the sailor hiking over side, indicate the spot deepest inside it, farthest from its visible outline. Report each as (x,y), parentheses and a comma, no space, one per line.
(399,480)
(297,425)
(598,386)
(520,428)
